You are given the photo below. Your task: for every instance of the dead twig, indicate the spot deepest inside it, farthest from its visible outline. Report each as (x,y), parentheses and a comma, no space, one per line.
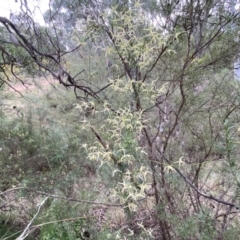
(59,197)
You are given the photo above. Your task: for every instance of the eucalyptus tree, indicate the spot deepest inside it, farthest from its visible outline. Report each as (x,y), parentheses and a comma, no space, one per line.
(164,112)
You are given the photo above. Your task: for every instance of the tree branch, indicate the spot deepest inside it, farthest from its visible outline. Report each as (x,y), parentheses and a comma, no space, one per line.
(194,187)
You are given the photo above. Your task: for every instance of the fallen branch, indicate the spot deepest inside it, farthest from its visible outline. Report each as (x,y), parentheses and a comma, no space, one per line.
(27,231)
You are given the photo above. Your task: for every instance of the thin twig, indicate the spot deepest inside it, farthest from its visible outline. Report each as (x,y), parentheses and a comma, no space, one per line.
(63,198)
